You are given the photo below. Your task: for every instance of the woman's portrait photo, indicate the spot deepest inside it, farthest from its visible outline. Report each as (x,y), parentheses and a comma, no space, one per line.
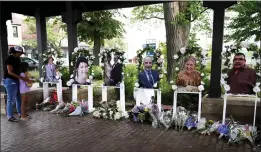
(189,76)
(81,71)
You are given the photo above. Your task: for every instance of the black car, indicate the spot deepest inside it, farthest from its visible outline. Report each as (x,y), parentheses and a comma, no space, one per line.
(33,64)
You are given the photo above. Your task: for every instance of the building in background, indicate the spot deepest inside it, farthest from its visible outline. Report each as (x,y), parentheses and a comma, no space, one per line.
(14,31)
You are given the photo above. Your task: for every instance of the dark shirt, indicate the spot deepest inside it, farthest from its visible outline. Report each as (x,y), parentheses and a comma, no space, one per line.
(116,75)
(243,82)
(15,62)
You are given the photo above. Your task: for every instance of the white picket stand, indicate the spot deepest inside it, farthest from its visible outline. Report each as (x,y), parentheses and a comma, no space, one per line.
(90,95)
(139,93)
(242,95)
(59,90)
(187,92)
(122,94)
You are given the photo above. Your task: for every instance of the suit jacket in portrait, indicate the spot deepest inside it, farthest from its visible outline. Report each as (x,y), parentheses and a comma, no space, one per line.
(116,75)
(143,79)
(50,73)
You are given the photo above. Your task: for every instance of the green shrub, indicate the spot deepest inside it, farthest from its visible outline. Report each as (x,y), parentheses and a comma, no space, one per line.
(35,74)
(130,77)
(97,71)
(65,75)
(166,92)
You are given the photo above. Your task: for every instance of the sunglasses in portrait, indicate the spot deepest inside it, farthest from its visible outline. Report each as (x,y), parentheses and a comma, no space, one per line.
(239,59)
(148,62)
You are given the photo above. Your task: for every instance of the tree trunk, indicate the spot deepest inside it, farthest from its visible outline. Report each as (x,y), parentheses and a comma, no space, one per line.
(177,36)
(96,49)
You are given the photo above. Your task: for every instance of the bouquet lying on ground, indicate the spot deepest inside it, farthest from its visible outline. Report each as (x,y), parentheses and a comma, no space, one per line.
(49,103)
(151,113)
(180,118)
(109,110)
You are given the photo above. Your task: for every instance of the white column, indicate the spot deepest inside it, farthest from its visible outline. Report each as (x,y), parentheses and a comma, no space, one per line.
(175,102)
(122,96)
(45,90)
(138,97)
(90,99)
(254,120)
(59,90)
(199,104)
(104,93)
(74,92)
(224,108)
(159,99)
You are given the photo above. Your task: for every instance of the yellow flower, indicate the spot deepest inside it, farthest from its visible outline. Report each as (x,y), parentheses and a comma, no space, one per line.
(146,109)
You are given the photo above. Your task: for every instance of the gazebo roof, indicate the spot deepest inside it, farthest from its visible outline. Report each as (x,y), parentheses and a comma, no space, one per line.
(54,8)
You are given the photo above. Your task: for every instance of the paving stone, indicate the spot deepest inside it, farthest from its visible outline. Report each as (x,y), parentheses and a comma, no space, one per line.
(50,133)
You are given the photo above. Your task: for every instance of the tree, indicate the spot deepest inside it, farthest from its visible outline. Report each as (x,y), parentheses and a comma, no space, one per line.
(55,32)
(116,43)
(98,26)
(246,23)
(178,17)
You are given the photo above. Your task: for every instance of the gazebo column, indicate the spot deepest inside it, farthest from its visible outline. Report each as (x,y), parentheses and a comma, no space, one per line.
(4,16)
(71,18)
(41,38)
(217,44)
(216,60)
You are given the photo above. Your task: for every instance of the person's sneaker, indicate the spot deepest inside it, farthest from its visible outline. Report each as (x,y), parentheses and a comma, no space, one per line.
(13,119)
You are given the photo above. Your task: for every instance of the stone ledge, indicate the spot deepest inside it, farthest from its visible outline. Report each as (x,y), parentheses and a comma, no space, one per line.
(236,106)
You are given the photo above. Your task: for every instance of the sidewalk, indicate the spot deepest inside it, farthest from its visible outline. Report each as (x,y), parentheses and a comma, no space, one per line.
(50,133)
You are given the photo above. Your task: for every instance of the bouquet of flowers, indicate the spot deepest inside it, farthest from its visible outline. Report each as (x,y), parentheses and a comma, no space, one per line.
(180,118)
(191,122)
(166,119)
(49,103)
(223,130)
(108,110)
(138,113)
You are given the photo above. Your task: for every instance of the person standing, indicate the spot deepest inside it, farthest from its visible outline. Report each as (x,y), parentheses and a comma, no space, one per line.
(11,81)
(24,89)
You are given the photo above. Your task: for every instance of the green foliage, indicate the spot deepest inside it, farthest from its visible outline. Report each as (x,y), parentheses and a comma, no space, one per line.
(130,77)
(246,24)
(54,27)
(144,12)
(116,43)
(194,12)
(65,75)
(97,71)
(99,24)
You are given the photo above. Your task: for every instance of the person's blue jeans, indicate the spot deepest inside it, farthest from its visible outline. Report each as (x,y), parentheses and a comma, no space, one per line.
(13,96)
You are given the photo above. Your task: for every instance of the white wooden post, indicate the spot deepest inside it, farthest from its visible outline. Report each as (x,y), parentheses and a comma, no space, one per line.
(254,120)
(122,96)
(74,92)
(90,99)
(175,102)
(138,97)
(59,90)
(104,93)
(199,104)
(159,99)
(45,90)
(224,108)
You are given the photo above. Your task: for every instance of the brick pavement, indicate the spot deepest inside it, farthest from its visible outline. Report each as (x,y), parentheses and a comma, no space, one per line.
(50,133)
